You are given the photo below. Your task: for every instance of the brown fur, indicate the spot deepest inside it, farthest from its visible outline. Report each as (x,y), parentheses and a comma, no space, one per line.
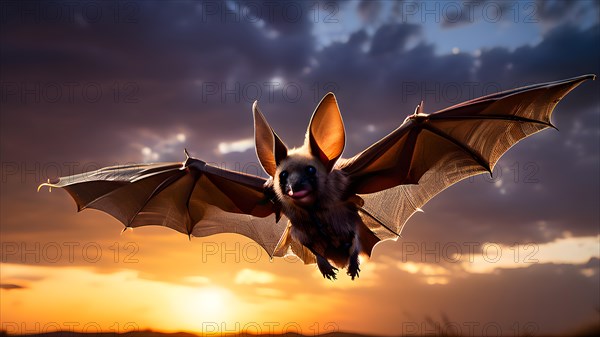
(329,226)
(312,193)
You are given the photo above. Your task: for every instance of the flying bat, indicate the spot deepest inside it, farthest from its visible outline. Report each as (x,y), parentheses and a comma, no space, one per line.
(316,205)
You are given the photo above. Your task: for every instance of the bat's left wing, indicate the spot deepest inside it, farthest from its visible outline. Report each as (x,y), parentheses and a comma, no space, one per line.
(192,197)
(398,174)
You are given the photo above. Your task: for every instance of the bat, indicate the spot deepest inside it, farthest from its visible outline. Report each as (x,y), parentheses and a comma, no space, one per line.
(316,205)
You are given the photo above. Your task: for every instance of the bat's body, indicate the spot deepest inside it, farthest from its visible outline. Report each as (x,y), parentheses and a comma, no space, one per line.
(333,209)
(322,216)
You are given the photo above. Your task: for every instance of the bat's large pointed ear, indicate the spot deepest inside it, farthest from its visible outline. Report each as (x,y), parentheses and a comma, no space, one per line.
(269,147)
(325,135)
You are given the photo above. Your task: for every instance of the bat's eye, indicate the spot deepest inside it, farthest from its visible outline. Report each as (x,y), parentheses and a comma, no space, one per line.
(283,175)
(311,170)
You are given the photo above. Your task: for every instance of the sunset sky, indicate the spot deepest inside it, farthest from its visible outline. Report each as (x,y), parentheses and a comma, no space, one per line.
(91,84)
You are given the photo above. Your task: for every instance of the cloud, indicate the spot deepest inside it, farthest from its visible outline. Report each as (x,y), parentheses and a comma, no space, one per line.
(250,276)
(569,250)
(369,10)
(555,13)
(197,280)
(270,292)
(10,286)
(392,38)
(154,148)
(432,274)
(236,146)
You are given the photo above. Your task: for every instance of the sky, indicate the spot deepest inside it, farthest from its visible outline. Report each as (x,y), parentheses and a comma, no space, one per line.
(89,84)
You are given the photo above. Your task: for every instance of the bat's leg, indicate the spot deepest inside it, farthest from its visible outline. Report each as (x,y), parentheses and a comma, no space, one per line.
(326,268)
(353,266)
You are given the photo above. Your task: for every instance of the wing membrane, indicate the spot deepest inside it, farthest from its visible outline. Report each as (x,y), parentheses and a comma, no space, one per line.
(428,153)
(192,198)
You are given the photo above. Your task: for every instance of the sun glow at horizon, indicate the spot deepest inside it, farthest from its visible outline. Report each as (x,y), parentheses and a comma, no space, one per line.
(141,303)
(203,308)
(124,300)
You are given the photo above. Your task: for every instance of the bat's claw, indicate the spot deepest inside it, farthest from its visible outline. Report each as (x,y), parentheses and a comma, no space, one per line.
(47,184)
(353,267)
(329,272)
(354,273)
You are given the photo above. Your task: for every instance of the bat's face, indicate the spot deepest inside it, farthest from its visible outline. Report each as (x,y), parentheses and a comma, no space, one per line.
(300,175)
(299,179)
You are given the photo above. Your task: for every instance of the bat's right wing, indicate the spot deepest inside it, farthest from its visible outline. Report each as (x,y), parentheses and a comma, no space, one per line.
(192,197)
(429,152)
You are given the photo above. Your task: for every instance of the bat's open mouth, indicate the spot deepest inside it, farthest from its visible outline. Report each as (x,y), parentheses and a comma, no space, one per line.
(299,194)
(303,196)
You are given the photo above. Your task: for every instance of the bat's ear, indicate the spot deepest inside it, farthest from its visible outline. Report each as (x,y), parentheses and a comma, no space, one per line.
(269,147)
(325,135)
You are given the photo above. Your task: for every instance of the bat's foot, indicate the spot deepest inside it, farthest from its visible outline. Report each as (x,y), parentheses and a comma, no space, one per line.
(353,267)
(328,271)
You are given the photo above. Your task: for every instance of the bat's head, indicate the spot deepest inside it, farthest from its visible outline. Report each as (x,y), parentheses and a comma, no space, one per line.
(300,175)
(299,178)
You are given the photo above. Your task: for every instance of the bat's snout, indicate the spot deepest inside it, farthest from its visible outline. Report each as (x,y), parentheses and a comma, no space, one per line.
(302,194)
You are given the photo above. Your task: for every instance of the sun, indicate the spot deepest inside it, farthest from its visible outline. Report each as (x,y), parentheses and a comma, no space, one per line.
(211,302)
(202,309)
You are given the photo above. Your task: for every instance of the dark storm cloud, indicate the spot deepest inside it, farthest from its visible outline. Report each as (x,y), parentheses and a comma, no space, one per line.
(369,10)
(548,13)
(553,13)
(555,10)
(155,68)
(566,51)
(392,38)
(186,34)
(459,14)
(195,40)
